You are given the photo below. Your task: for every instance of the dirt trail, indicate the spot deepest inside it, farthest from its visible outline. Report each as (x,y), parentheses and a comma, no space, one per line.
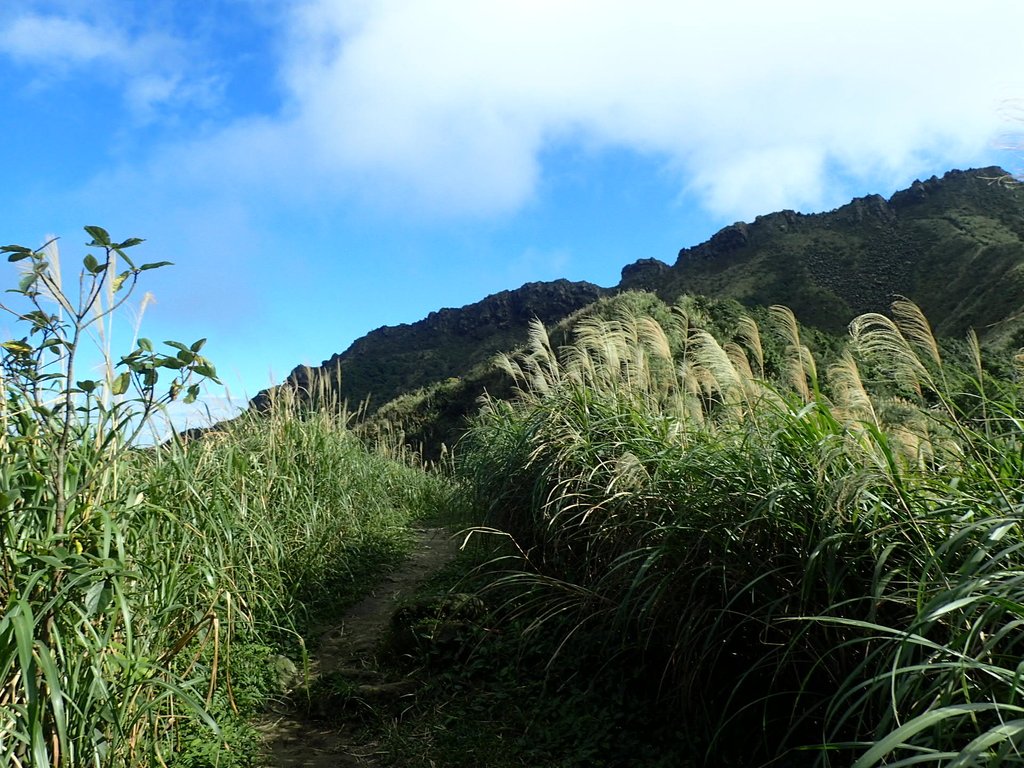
(348,652)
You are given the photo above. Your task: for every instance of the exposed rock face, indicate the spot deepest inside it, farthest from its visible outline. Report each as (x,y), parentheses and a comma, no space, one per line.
(645,273)
(729,240)
(871,208)
(392,360)
(955,245)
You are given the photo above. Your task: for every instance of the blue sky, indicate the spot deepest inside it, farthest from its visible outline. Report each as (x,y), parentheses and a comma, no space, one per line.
(319,168)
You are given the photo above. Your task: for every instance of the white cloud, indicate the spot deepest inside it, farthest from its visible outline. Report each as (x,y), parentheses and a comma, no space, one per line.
(448,104)
(154,69)
(57,42)
(445,107)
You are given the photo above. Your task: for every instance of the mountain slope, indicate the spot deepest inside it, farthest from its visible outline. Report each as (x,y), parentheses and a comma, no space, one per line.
(954,245)
(393,360)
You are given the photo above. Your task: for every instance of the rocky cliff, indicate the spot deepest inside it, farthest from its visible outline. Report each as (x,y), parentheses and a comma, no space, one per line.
(393,360)
(955,245)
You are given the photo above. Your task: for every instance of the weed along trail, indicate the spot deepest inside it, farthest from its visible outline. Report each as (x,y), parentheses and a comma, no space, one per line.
(319,725)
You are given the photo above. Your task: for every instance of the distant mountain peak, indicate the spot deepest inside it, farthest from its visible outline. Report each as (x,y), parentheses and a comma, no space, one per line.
(954,244)
(392,360)
(943,242)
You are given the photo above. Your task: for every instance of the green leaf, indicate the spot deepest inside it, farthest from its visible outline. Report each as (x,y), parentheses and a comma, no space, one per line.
(191,394)
(132,360)
(39,319)
(56,690)
(97,597)
(23,623)
(120,385)
(40,755)
(18,252)
(973,753)
(145,345)
(100,236)
(898,738)
(206,370)
(17,347)
(88,385)
(198,345)
(90,263)
(131,241)
(155,265)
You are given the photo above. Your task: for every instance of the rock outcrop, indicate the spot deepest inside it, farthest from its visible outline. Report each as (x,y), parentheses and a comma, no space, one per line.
(393,360)
(953,244)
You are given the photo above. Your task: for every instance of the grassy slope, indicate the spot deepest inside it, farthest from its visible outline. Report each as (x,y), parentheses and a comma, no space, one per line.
(796,570)
(391,361)
(199,567)
(439,414)
(953,246)
(147,596)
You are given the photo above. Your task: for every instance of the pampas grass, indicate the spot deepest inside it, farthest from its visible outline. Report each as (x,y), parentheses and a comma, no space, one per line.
(826,572)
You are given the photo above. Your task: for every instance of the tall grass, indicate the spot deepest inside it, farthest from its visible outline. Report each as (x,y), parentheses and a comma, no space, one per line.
(825,564)
(132,579)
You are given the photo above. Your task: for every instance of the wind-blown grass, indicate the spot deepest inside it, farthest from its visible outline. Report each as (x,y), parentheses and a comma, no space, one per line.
(143,590)
(241,537)
(829,567)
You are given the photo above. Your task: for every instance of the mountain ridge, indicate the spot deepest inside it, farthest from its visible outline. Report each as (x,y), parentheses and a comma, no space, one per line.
(861,255)
(394,359)
(954,244)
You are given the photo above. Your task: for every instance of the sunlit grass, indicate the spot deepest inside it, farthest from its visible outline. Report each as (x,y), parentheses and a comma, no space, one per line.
(829,565)
(143,589)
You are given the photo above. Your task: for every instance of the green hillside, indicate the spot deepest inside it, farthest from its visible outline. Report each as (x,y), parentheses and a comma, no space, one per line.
(702,533)
(953,245)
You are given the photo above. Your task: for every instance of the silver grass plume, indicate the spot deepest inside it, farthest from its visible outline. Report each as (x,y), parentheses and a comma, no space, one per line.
(709,356)
(686,307)
(598,350)
(915,327)
(877,337)
(800,362)
(848,392)
(749,335)
(660,363)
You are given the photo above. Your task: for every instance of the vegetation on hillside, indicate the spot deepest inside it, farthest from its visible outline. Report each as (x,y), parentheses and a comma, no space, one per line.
(952,245)
(830,574)
(707,535)
(395,360)
(145,593)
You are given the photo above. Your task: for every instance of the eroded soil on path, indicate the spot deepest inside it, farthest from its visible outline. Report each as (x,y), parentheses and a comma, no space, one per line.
(307,732)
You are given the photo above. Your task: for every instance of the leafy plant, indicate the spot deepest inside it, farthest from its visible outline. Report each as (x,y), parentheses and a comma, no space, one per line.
(78,681)
(147,593)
